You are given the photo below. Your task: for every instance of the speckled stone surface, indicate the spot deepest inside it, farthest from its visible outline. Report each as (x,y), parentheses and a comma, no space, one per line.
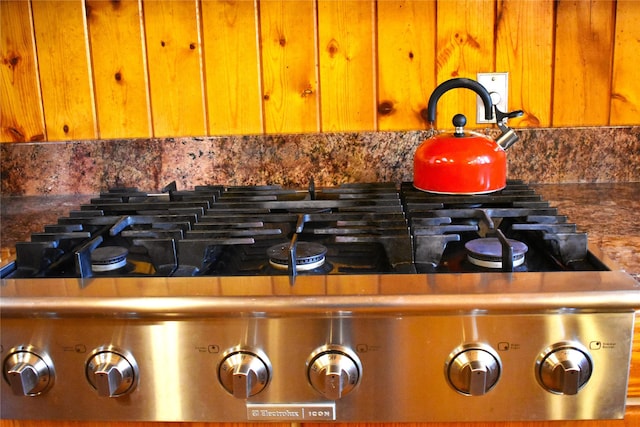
(558,155)
(23,215)
(607,212)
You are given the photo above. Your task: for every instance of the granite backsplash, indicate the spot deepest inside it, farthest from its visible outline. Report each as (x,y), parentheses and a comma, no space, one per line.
(554,155)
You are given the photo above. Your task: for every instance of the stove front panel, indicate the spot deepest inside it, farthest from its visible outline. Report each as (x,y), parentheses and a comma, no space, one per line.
(411,367)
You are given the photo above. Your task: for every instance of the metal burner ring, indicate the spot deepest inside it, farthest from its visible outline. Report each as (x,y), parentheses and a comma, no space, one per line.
(487,252)
(108,258)
(309,256)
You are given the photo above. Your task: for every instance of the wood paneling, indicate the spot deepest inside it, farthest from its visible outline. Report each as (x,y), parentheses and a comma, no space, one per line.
(634,374)
(406,76)
(165,68)
(20,109)
(524,48)
(63,60)
(232,75)
(119,70)
(347,74)
(175,70)
(9,423)
(632,419)
(625,93)
(465,46)
(289,74)
(583,58)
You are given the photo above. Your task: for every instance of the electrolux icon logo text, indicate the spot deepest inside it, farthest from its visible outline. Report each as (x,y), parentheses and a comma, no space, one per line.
(291,411)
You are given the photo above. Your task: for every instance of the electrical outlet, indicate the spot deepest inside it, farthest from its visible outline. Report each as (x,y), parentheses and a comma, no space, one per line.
(497,84)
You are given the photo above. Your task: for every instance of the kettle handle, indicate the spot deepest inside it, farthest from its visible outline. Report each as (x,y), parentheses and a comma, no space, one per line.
(459,83)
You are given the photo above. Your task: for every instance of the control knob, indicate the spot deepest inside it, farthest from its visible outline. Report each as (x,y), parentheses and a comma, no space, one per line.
(334,371)
(112,372)
(244,372)
(473,369)
(28,371)
(564,368)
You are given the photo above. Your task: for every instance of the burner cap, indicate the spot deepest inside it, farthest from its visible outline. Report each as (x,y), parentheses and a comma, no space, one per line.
(108,258)
(487,252)
(308,256)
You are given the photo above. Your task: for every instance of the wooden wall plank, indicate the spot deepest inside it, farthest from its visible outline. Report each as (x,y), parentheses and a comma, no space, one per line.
(289,74)
(175,77)
(20,101)
(406,54)
(578,72)
(465,47)
(634,372)
(119,69)
(625,96)
(63,61)
(632,419)
(49,423)
(347,58)
(583,58)
(524,48)
(230,40)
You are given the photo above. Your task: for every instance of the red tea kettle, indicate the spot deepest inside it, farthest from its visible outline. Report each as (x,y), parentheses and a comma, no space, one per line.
(463,162)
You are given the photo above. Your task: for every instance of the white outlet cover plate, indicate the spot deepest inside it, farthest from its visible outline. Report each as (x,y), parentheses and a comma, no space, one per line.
(497,84)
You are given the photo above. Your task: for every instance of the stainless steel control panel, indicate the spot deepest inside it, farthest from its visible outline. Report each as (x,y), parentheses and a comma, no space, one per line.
(301,367)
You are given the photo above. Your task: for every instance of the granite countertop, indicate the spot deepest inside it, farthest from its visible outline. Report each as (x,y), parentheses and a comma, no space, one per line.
(608,212)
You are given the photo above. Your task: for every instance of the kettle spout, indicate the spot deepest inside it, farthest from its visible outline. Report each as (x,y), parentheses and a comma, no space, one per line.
(508,136)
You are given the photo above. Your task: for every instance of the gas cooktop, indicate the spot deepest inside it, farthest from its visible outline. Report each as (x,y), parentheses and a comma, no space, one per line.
(268,230)
(357,303)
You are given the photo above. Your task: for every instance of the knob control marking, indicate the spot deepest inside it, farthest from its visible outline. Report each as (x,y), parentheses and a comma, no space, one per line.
(112,372)
(28,371)
(244,372)
(564,368)
(473,369)
(334,371)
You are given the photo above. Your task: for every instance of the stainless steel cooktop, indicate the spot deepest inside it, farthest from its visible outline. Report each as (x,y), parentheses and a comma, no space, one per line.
(356,303)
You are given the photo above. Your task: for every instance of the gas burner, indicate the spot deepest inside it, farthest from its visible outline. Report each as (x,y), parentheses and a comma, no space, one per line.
(308,256)
(487,252)
(372,228)
(108,258)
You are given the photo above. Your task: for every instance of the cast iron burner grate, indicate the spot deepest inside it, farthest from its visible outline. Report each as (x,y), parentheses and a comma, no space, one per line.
(215,230)
(442,225)
(362,229)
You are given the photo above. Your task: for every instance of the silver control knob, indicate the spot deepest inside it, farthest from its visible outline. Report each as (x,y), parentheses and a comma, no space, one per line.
(473,369)
(244,372)
(112,372)
(28,371)
(564,368)
(334,371)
